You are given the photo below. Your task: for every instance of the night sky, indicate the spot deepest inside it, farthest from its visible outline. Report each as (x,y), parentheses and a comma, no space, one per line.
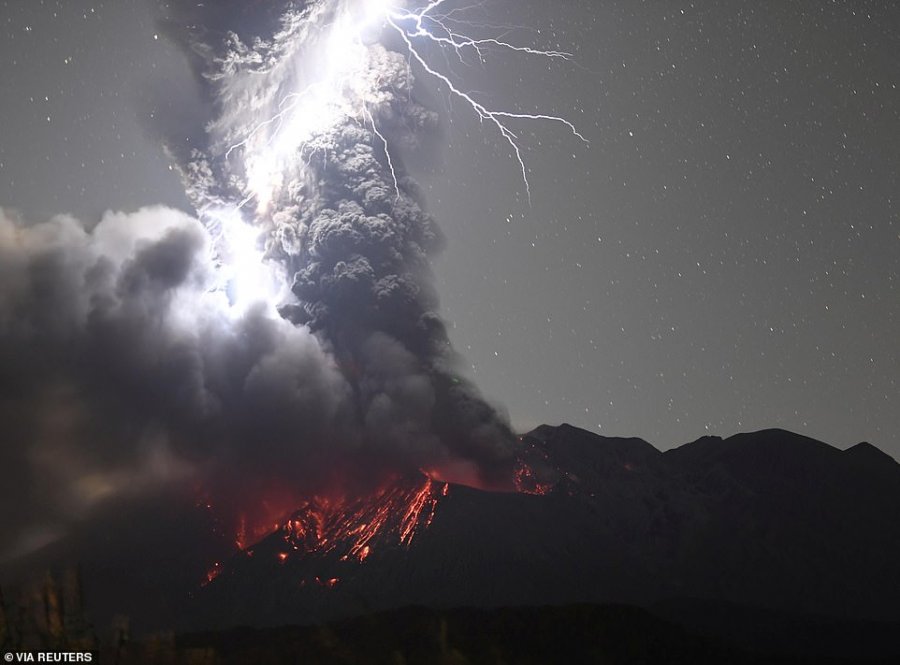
(723,256)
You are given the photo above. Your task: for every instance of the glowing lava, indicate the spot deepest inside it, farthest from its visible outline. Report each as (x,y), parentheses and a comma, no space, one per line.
(353,528)
(349,528)
(212,573)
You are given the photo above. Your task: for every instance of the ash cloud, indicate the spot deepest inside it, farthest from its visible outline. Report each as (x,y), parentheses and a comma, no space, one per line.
(123,371)
(126,366)
(350,229)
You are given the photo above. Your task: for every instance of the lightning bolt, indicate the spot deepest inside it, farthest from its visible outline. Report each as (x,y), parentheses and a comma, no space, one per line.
(285,106)
(387,152)
(456,42)
(432,24)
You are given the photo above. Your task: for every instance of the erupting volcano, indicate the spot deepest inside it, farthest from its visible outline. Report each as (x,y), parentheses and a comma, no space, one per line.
(298,175)
(290,329)
(247,410)
(291,326)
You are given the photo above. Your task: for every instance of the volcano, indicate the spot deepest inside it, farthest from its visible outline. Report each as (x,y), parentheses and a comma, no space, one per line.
(769,520)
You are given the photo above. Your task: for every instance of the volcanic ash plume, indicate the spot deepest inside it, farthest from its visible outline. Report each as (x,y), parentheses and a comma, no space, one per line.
(303,139)
(258,352)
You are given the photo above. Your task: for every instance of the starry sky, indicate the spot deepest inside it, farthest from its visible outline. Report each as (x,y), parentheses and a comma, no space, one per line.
(723,256)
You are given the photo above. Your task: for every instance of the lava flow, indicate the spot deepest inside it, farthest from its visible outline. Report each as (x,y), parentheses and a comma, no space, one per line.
(347,528)
(353,527)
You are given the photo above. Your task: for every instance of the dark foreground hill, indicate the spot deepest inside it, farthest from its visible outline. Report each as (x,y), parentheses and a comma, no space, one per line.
(608,634)
(770,520)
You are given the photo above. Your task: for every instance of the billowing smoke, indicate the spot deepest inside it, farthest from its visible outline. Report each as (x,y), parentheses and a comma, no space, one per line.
(340,217)
(124,368)
(289,329)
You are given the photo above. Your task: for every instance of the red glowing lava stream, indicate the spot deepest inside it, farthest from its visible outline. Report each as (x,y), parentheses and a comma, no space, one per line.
(352,527)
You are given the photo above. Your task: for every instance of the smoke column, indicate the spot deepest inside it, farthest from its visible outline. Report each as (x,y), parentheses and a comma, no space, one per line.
(301,145)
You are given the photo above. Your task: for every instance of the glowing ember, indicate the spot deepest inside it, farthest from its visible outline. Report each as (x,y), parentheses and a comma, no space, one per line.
(526,480)
(329,583)
(526,483)
(213,573)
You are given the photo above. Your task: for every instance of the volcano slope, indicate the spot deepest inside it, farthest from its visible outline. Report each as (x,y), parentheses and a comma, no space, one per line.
(770,520)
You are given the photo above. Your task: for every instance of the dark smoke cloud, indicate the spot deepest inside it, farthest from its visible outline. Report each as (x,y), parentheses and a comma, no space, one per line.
(349,226)
(121,370)
(360,252)
(125,369)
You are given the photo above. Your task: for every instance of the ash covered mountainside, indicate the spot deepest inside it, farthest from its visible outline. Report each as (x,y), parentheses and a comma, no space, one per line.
(768,519)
